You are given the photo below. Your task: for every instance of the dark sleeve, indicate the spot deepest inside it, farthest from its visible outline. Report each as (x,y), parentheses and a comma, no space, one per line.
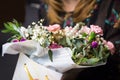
(106,19)
(107,16)
(111,33)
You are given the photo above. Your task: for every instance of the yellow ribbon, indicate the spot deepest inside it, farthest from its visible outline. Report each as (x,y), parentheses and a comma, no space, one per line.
(28,73)
(46,77)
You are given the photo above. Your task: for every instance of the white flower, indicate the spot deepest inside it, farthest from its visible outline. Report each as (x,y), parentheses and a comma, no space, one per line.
(33,23)
(41,40)
(30,30)
(24,32)
(67,30)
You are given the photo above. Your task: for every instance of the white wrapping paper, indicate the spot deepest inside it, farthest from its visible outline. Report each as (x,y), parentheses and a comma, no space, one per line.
(37,71)
(61,57)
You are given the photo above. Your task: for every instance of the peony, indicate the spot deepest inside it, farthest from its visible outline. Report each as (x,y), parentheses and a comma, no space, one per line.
(96,29)
(53,28)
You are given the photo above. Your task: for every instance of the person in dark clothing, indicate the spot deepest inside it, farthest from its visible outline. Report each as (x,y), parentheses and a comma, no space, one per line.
(105,13)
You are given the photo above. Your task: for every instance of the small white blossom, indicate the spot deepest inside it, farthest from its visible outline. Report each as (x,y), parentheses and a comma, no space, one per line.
(24,32)
(33,23)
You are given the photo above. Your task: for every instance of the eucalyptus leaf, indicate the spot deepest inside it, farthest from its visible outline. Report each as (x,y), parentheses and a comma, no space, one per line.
(96,53)
(101,51)
(50,55)
(93,60)
(84,51)
(82,60)
(68,41)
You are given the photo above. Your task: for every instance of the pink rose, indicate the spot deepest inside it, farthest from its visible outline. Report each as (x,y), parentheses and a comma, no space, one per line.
(110,46)
(96,29)
(53,28)
(85,29)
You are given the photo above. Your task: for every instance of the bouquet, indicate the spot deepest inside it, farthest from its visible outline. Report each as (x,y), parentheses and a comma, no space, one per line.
(86,43)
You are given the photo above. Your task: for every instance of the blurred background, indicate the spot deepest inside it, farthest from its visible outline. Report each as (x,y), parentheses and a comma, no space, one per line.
(25,12)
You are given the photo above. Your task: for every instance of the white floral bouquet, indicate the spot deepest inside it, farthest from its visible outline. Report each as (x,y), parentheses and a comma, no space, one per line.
(87,45)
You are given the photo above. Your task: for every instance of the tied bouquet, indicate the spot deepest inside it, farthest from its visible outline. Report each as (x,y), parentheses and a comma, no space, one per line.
(87,44)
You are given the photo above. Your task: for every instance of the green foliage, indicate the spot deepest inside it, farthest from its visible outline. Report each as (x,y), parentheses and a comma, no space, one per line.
(92,36)
(50,55)
(12,27)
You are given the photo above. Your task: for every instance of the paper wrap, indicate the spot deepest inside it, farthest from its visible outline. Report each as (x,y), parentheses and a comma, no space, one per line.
(61,56)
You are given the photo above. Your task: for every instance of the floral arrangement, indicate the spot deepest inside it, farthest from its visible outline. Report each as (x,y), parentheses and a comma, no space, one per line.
(87,44)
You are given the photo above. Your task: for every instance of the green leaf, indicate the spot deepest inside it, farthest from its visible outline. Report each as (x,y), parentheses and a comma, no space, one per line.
(93,60)
(16,23)
(68,41)
(5,31)
(101,51)
(92,36)
(74,53)
(8,26)
(50,55)
(11,27)
(95,51)
(84,51)
(84,34)
(82,60)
